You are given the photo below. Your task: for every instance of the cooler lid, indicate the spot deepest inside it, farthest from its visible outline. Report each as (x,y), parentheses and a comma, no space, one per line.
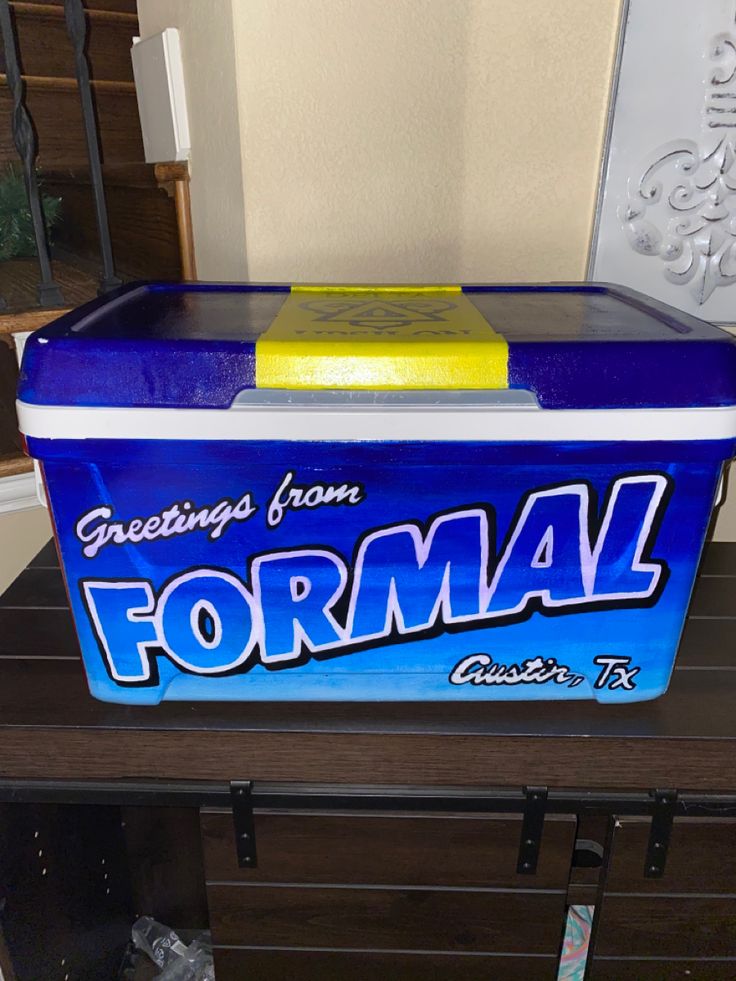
(197,345)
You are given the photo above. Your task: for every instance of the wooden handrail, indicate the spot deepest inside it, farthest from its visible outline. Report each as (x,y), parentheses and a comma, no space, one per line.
(174,178)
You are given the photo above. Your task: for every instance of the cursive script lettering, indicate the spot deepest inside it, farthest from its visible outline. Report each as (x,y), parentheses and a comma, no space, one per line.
(481,669)
(293,496)
(406,579)
(95,529)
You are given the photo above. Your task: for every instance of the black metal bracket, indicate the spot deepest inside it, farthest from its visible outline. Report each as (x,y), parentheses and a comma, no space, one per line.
(663,813)
(241,796)
(532,827)
(309,797)
(534,803)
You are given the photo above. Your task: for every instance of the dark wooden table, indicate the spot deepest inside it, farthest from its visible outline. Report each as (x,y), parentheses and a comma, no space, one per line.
(51,727)
(382,895)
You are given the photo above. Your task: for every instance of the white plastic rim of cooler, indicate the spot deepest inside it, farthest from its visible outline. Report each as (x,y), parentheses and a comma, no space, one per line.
(359,416)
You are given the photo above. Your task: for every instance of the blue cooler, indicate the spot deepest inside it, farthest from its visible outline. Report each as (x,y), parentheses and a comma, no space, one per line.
(373,493)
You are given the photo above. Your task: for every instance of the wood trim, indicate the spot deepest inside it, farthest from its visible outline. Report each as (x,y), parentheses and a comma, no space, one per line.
(11,466)
(175,170)
(16,323)
(176,175)
(422,760)
(70,84)
(186,231)
(57,11)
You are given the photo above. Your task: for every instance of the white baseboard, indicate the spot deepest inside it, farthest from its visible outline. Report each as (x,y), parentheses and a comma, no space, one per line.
(18,492)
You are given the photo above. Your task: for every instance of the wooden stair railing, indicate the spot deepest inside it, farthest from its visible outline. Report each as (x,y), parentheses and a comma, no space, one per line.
(66,83)
(24,137)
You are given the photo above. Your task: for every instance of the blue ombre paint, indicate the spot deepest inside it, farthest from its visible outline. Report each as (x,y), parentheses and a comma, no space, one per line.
(439,564)
(236,578)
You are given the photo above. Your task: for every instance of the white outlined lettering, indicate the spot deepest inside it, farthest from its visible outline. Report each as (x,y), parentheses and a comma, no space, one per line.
(405,582)
(290,496)
(108,632)
(481,669)
(243,628)
(298,591)
(95,529)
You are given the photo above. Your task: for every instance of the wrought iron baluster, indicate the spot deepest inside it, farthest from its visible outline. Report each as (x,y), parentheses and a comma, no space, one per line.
(24,137)
(76,26)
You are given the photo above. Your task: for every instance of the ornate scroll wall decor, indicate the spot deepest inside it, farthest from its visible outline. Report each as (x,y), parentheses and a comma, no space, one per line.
(667,210)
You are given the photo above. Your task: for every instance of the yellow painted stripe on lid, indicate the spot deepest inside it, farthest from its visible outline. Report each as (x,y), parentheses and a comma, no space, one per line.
(369,337)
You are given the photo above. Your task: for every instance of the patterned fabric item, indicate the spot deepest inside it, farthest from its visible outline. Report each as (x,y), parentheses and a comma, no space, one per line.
(575,945)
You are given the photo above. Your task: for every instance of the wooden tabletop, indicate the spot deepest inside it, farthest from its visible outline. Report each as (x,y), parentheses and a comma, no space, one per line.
(50,727)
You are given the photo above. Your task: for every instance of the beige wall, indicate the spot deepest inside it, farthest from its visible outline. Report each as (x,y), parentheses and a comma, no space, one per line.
(421,139)
(22,534)
(416,140)
(412,140)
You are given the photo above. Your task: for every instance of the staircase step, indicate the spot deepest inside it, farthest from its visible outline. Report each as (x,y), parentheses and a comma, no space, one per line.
(125,6)
(46,50)
(140,175)
(55,83)
(18,282)
(57,116)
(142,226)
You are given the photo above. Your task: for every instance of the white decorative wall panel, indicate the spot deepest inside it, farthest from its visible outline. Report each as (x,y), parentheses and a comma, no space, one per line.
(667,212)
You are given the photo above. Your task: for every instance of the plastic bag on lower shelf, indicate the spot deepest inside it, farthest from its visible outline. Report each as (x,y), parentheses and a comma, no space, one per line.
(176,960)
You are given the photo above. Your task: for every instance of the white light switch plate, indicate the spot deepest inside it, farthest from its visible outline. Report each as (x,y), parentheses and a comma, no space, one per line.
(162,106)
